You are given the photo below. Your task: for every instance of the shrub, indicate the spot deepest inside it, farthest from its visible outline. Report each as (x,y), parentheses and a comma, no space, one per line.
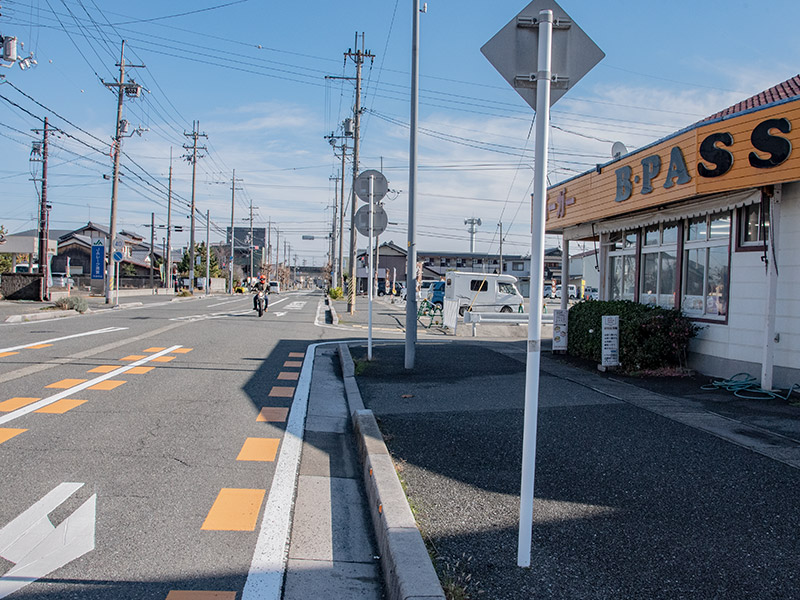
(649,336)
(335,293)
(72,303)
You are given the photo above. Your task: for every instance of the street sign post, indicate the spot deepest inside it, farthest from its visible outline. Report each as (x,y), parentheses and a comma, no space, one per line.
(379,184)
(532,60)
(380,220)
(98,259)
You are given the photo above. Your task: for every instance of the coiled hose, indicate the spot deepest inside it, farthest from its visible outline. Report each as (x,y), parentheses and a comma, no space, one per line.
(744,385)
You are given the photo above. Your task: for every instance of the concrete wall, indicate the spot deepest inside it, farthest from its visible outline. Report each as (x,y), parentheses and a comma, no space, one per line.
(20,286)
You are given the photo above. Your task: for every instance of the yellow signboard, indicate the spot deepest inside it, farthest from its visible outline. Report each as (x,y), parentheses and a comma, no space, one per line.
(745,151)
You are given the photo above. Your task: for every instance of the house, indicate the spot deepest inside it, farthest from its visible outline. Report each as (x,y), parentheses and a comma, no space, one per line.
(24,247)
(706,220)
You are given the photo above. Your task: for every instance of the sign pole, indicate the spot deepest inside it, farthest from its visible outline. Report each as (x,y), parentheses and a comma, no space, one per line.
(369,280)
(534,349)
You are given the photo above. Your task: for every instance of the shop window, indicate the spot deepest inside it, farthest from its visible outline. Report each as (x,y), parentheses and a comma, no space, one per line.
(517,266)
(659,265)
(753,225)
(621,272)
(706,266)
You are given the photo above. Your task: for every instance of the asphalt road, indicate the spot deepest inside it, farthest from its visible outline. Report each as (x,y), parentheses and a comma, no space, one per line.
(170,463)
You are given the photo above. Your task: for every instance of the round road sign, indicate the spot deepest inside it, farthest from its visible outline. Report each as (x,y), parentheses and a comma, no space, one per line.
(379,220)
(117,256)
(379,185)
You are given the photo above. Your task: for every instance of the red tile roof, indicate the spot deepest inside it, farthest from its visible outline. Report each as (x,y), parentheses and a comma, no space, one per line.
(788,89)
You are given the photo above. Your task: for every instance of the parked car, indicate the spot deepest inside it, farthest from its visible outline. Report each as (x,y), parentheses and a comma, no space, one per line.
(436,293)
(483,292)
(591,293)
(548,291)
(572,290)
(423,289)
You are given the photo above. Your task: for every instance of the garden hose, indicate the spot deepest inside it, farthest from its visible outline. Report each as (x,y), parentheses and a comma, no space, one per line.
(744,385)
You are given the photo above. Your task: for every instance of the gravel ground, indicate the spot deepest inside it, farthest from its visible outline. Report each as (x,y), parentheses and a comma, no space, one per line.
(628,504)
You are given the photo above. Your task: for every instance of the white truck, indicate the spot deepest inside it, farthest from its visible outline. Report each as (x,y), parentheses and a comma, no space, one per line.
(482,292)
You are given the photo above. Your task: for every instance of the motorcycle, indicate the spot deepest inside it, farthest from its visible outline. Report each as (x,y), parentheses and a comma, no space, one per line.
(260,303)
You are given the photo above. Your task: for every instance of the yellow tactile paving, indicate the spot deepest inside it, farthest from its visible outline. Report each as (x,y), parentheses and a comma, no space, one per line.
(289,375)
(293,363)
(59,407)
(132,357)
(182,350)
(154,349)
(6,433)
(139,370)
(259,449)
(200,595)
(65,383)
(235,509)
(38,346)
(15,403)
(278,391)
(296,354)
(164,359)
(108,384)
(274,414)
(103,369)
(4,354)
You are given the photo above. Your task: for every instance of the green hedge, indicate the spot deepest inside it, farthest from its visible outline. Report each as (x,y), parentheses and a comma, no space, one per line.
(649,336)
(335,293)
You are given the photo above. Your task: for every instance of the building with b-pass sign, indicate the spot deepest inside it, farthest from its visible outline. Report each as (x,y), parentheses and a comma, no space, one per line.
(706,220)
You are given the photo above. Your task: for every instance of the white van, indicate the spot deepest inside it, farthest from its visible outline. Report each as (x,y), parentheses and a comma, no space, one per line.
(274,287)
(482,292)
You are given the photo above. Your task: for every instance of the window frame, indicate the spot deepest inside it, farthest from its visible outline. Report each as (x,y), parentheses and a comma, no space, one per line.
(707,244)
(660,249)
(763,227)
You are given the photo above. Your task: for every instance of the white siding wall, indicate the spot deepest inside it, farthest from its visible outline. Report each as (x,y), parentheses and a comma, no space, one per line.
(743,337)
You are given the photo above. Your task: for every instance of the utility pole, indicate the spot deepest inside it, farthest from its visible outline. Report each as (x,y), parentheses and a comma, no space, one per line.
(340,266)
(473,228)
(269,248)
(501,248)
(251,238)
(233,203)
(192,158)
(335,275)
(208,252)
(152,253)
(44,233)
(168,251)
(132,89)
(358,57)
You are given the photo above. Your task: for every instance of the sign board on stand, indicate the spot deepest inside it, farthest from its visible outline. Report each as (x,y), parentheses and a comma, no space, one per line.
(560,327)
(610,344)
(98,259)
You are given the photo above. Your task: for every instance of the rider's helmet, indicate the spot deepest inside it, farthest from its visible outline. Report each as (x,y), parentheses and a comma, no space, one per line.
(262,279)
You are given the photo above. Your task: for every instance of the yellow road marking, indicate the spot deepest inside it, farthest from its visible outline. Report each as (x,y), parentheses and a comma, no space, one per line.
(278,391)
(38,346)
(261,449)
(60,406)
(4,354)
(200,595)
(134,357)
(155,349)
(164,358)
(108,384)
(293,363)
(139,370)
(296,354)
(235,509)
(289,375)
(275,414)
(15,403)
(6,433)
(182,350)
(65,383)
(103,369)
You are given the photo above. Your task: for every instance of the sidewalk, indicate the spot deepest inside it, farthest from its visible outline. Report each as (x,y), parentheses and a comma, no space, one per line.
(639,493)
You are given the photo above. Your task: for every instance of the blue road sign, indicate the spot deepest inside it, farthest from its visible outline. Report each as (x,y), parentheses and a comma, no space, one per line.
(98,253)
(117,256)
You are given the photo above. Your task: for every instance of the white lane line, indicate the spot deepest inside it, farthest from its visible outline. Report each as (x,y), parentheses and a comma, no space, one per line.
(225,302)
(81,386)
(265,577)
(66,337)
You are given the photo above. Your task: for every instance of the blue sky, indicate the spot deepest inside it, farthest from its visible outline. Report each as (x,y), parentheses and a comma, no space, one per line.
(253,74)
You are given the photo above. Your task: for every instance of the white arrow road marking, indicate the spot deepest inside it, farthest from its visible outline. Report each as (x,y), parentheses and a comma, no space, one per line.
(66,337)
(37,548)
(81,386)
(297,305)
(279,314)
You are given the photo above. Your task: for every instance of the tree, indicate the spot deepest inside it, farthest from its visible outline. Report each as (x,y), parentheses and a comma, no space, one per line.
(200,269)
(5,259)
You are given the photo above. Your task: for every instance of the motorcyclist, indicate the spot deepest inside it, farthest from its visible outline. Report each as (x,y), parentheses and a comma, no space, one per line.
(260,286)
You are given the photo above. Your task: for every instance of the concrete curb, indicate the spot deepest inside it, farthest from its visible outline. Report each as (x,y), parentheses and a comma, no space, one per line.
(334,316)
(41,316)
(406,566)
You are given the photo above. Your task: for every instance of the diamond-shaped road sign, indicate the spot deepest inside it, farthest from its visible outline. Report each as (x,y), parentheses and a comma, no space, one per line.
(514,51)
